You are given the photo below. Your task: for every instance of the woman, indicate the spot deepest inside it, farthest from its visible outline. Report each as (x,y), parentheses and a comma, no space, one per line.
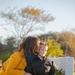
(18,60)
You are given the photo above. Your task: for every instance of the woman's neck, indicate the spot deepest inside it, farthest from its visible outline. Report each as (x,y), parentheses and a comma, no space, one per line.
(40,57)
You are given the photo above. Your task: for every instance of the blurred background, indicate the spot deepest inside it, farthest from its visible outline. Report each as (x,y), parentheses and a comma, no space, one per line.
(52,21)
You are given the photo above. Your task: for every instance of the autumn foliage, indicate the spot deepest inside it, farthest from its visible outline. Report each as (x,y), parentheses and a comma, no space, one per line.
(54,49)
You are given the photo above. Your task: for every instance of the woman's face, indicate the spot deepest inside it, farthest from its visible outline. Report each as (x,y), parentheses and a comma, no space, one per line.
(42,51)
(37,46)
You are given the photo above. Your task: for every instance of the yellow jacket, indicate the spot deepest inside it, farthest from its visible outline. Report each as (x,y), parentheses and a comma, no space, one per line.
(14,65)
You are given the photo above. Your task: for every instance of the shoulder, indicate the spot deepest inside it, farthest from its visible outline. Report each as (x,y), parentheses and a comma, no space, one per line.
(37,62)
(16,56)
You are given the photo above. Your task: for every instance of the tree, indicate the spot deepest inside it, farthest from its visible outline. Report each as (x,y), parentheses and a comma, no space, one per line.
(1,47)
(54,49)
(11,44)
(67,41)
(49,35)
(26,20)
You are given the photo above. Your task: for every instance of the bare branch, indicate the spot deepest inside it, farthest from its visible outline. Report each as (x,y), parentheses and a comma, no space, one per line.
(26,20)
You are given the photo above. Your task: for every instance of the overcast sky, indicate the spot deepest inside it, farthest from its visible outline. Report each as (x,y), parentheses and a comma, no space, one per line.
(62,10)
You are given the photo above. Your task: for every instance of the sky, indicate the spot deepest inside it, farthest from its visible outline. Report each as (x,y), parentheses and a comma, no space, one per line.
(62,10)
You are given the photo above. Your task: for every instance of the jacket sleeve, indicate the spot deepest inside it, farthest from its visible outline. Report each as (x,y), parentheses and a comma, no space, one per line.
(29,69)
(14,60)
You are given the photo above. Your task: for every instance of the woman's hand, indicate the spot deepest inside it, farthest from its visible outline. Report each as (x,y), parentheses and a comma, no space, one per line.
(27,73)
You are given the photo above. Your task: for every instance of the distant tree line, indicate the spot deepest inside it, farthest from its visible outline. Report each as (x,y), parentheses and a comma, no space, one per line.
(9,45)
(66,40)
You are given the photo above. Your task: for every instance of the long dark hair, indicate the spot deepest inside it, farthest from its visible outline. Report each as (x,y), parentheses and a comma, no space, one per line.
(29,45)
